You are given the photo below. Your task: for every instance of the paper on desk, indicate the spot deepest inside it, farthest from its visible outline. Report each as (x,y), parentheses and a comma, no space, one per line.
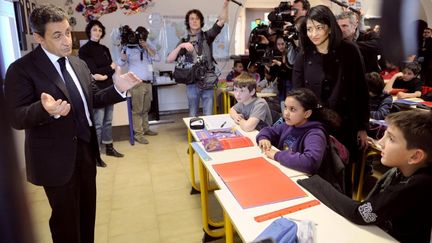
(218,123)
(255,182)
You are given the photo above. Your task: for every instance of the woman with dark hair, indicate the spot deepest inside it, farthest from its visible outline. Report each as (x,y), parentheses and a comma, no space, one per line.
(333,69)
(98,59)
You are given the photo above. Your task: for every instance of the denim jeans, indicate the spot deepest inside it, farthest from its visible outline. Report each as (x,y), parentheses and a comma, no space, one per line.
(194,95)
(103,124)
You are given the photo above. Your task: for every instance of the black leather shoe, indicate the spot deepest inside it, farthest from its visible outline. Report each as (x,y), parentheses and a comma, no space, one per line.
(110,151)
(100,163)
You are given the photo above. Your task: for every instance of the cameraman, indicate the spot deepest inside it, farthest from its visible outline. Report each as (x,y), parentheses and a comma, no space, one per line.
(199,43)
(139,56)
(301,8)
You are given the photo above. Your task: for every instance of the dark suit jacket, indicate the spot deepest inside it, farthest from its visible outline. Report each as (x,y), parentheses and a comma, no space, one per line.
(50,144)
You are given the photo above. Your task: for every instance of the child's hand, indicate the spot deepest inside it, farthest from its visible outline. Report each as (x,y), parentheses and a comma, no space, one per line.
(237,118)
(270,153)
(264,145)
(401,95)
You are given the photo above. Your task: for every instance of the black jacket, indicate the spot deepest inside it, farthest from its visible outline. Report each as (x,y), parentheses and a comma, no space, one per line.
(399,205)
(337,78)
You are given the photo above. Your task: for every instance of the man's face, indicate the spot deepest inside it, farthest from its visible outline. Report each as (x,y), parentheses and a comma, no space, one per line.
(299,10)
(194,22)
(57,39)
(348,28)
(427,33)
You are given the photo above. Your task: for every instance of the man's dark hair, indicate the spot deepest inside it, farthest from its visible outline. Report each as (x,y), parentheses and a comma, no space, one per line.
(416,127)
(305,3)
(198,13)
(375,83)
(90,26)
(323,15)
(46,14)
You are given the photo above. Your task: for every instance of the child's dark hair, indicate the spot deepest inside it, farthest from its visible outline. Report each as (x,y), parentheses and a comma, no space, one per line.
(310,101)
(237,62)
(414,67)
(245,80)
(416,127)
(375,83)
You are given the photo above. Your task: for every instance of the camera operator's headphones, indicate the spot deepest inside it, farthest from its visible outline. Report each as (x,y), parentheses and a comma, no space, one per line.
(198,13)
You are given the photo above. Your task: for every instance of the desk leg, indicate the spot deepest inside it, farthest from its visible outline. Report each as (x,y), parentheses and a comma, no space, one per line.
(195,188)
(228,102)
(214,101)
(129,111)
(229,236)
(225,102)
(204,203)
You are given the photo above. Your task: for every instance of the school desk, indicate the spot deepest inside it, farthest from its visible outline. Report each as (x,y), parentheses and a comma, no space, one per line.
(206,168)
(193,137)
(330,226)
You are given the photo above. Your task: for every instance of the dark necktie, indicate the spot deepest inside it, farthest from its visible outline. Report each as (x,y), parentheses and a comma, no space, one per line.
(76,102)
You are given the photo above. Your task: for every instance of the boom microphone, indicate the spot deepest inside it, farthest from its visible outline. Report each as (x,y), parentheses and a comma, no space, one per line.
(346,6)
(236,2)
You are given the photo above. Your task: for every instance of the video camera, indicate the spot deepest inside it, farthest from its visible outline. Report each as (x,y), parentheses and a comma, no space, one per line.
(279,17)
(281,14)
(132,38)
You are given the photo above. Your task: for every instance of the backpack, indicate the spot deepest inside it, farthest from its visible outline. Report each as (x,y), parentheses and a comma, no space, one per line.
(333,164)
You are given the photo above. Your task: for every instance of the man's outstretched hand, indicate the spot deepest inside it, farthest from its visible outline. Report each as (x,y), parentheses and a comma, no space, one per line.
(123,82)
(54,107)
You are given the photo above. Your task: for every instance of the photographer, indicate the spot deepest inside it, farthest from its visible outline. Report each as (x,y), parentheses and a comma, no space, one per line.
(279,68)
(301,8)
(139,56)
(196,50)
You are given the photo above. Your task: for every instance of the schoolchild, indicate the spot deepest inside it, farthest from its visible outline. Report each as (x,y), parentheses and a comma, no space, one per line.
(236,71)
(250,112)
(400,201)
(302,139)
(380,102)
(408,79)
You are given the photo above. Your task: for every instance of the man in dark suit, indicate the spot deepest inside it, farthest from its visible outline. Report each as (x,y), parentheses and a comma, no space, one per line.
(51,95)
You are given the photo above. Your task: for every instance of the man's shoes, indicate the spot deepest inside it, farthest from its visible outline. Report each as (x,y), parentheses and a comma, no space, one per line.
(150,133)
(141,140)
(100,163)
(110,151)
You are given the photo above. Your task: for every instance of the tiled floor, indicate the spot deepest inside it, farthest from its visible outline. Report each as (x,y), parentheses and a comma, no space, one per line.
(143,197)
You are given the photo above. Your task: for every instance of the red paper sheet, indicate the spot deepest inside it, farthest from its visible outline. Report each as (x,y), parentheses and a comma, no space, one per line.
(428,103)
(255,182)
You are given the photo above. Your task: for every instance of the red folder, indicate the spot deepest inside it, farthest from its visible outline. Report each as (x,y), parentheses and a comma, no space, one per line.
(255,182)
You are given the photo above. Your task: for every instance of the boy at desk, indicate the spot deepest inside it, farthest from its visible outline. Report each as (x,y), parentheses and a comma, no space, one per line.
(400,202)
(250,112)
(408,79)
